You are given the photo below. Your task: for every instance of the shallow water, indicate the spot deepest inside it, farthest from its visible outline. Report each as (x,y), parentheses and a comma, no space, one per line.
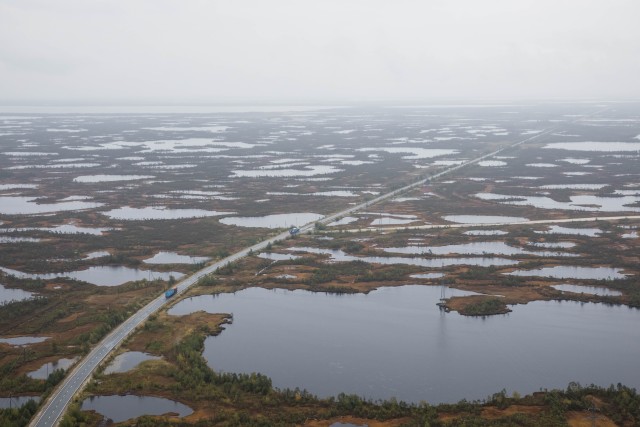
(23,340)
(474,248)
(595,146)
(492,163)
(396,342)
(45,370)
(587,203)
(593,290)
(279,173)
(110,178)
(158,212)
(414,153)
(276,256)
(343,221)
(390,221)
(174,258)
(272,221)
(556,229)
(485,233)
(18,205)
(122,408)
(483,219)
(552,245)
(573,272)
(127,361)
(338,255)
(12,294)
(101,275)
(428,276)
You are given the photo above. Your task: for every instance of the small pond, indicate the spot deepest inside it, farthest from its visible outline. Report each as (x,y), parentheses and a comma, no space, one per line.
(18,205)
(272,221)
(474,248)
(595,146)
(557,229)
(22,340)
(110,178)
(427,275)
(127,361)
(101,275)
(552,245)
(483,219)
(573,272)
(587,203)
(11,294)
(343,221)
(285,173)
(276,256)
(390,221)
(174,258)
(128,213)
(43,372)
(592,290)
(485,233)
(122,408)
(341,256)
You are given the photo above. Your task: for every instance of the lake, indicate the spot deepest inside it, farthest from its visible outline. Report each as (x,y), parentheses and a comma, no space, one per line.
(396,342)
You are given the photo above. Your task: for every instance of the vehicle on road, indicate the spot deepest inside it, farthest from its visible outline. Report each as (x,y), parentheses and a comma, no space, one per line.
(171,292)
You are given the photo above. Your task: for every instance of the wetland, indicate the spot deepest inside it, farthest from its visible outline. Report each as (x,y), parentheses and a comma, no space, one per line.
(84,215)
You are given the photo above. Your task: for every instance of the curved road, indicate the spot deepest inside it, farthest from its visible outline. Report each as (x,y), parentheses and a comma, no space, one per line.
(55,406)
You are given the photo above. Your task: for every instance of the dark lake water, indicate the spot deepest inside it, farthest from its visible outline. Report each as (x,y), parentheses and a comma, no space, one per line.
(396,342)
(122,408)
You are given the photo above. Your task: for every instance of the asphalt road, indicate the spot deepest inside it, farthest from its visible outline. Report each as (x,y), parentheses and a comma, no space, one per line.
(57,403)
(55,406)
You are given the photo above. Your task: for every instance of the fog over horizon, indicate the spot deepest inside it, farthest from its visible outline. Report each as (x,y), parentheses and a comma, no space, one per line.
(325,52)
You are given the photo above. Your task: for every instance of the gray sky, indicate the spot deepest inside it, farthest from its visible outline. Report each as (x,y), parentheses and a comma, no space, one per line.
(217,51)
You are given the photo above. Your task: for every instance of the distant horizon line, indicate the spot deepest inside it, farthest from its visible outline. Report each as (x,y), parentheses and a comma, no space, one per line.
(298,102)
(292,107)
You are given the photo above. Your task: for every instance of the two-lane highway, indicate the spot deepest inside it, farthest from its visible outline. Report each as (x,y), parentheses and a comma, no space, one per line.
(57,403)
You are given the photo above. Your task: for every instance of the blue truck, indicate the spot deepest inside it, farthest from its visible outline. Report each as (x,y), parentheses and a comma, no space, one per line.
(171,292)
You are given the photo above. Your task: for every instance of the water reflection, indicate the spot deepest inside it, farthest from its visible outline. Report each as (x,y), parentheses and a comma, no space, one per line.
(573,272)
(272,221)
(10,294)
(174,258)
(45,370)
(127,361)
(396,342)
(592,290)
(339,255)
(122,408)
(101,275)
(483,219)
(22,340)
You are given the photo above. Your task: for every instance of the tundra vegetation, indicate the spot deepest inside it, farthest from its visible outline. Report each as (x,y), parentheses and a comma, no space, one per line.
(75,315)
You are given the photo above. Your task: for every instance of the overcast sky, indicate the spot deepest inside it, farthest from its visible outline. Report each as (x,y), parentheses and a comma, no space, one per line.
(347,51)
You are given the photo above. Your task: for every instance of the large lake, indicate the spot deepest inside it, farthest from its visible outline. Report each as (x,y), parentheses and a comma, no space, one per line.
(396,342)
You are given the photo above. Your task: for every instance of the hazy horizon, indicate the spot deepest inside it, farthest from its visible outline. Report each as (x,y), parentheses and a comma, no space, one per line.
(305,52)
